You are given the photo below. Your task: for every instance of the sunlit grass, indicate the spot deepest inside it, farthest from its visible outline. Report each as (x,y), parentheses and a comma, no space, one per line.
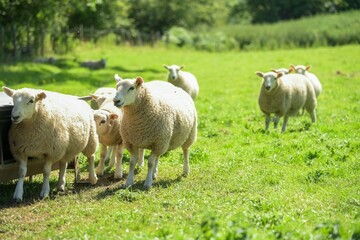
(244,182)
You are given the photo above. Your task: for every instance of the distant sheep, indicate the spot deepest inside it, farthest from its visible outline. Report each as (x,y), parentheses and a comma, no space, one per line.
(285,95)
(157,116)
(51,127)
(101,94)
(185,80)
(304,70)
(94,65)
(284,71)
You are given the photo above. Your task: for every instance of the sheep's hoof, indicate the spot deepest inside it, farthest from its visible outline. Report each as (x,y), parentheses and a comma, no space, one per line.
(147,187)
(185,174)
(125,186)
(18,200)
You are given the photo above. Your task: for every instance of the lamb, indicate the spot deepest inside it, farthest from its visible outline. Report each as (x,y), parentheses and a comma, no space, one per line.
(285,95)
(301,69)
(185,80)
(51,127)
(157,116)
(108,121)
(94,65)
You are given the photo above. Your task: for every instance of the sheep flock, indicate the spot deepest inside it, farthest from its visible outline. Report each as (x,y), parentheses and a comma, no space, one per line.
(135,114)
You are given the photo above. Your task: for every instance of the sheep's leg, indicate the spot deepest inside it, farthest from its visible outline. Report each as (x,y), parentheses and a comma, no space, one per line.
(313,116)
(286,118)
(19,190)
(141,157)
(101,166)
(112,151)
(267,121)
(45,190)
(62,176)
(119,156)
(276,121)
(186,153)
(155,170)
(108,153)
(130,178)
(151,165)
(92,175)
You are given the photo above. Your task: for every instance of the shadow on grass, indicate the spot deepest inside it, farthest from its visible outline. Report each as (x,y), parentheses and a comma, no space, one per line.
(61,71)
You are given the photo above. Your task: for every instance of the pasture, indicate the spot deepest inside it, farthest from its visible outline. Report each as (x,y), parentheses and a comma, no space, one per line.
(245,183)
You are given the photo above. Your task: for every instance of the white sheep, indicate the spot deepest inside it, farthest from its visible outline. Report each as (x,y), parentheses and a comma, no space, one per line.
(108,121)
(94,65)
(51,127)
(285,95)
(284,71)
(157,116)
(185,80)
(100,92)
(304,70)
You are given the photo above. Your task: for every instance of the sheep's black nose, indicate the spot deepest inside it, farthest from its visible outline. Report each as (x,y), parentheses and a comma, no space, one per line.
(15,118)
(267,87)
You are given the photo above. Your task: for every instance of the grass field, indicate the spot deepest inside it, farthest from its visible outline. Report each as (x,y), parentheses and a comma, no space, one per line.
(245,183)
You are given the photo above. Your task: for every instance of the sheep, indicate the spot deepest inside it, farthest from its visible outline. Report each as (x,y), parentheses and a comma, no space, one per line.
(157,116)
(51,127)
(185,80)
(94,65)
(103,91)
(108,121)
(284,71)
(285,95)
(301,69)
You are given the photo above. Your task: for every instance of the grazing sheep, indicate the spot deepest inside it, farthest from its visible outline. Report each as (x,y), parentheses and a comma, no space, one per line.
(185,80)
(51,127)
(157,116)
(301,69)
(94,65)
(285,95)
(108,121)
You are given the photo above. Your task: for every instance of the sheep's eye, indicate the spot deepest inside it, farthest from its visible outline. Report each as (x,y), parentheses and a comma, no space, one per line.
(131,88)
(102,121)
(31,101)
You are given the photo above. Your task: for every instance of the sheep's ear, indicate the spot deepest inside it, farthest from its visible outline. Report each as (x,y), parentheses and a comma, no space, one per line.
(279,74)
(138,82)
(40,96)
(274,70)
(292,67)
(260,74)
(166,67)
(308,67)
(117,78)
(8,91)
(181,67)
(93,96)
(113,116)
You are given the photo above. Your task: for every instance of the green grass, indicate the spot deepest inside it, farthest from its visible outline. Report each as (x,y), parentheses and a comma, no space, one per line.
(245,183)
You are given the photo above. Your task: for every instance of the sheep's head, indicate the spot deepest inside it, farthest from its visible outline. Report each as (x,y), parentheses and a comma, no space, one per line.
(25,103)
(173,71)
(100,99)
(127,90)
(300,69)
(284,71)
(270,79)
(104,120)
